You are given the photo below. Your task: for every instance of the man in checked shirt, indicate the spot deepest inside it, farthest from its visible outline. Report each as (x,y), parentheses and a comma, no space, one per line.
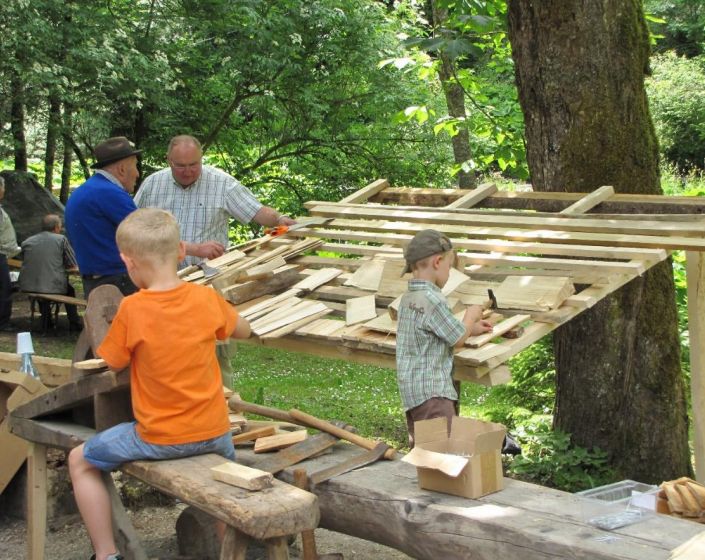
(203,199)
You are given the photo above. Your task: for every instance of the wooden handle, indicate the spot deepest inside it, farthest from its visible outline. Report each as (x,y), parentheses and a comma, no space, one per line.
(236,404)
(332,429)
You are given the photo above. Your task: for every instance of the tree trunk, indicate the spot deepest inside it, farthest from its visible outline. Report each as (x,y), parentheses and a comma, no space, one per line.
(455,101)
(17,122)
(68,155)
(580,72)
(53,130)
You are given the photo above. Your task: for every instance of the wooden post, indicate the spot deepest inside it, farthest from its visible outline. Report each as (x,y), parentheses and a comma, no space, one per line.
(695,272)
(36,501)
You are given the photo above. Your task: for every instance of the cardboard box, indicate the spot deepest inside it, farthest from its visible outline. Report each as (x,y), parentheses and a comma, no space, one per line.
(466,463)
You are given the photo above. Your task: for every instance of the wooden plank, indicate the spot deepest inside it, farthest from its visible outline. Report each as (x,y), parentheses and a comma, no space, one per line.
(695,272)
(71,394)
(536,293)
(242,476)
(264,270)
(296,453)
(589,201)
(692,228)
(499,240)
(52,371)
(36,501)
(91,365)
(251,435)
(281,279)
(526,199)
(279,441)
(368,275)
(296,325)
(498,330)
(474,197)
(634,268)
(269,302)
(328,329)
(360,309)
(228,277)
(384,323)
(366,192)
(279,310)
(393,283)
(304,309)
(320,277)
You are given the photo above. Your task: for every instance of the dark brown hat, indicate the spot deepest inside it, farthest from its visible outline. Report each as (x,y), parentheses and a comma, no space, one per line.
(424,244)
(113,149)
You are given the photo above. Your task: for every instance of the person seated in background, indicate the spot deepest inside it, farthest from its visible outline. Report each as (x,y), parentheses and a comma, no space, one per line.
(47,260)
(8,249)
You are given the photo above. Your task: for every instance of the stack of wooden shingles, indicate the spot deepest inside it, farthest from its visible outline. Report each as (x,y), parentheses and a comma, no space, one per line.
(239,275)
(516,295)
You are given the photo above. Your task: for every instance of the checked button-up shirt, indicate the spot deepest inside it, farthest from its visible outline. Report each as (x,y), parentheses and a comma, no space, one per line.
(204,209)
(427,331)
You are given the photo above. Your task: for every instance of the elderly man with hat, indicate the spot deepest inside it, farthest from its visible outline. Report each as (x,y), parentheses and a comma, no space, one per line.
(94,211)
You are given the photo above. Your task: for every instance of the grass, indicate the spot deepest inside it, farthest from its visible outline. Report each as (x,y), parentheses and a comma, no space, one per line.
(364,396)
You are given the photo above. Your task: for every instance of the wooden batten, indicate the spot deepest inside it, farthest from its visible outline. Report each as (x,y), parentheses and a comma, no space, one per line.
(474,197)
(279,441)
(242,476)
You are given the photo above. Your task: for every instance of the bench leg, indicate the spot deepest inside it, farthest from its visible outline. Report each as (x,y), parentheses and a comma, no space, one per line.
(234,545)
(37,501)
(277,548)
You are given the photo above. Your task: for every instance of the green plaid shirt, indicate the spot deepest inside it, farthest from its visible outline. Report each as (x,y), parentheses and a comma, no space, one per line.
(427,331)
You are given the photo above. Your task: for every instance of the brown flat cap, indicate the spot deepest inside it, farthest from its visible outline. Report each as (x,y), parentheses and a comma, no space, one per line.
(112,150)
(425,243)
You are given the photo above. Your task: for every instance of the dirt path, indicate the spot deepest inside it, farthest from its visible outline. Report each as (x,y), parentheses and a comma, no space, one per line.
(67,540)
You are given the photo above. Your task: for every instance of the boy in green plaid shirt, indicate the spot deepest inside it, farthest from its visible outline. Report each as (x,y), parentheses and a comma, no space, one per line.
(427,332)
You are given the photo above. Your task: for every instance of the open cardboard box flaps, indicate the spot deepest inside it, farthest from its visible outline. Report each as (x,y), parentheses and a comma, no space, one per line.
(465,463)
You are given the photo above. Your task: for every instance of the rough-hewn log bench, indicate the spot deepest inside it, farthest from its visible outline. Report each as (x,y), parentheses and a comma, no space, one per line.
(270,515)
(383,503)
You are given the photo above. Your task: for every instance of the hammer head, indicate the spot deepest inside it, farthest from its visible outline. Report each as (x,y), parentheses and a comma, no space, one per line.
(493,299)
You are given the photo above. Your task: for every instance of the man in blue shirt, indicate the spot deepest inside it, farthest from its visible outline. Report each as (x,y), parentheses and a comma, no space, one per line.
(94,211)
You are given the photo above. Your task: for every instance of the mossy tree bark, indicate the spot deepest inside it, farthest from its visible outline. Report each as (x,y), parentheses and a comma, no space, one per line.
(580,69)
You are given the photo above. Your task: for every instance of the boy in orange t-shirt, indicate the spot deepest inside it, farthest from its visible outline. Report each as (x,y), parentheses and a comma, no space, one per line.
(166,333)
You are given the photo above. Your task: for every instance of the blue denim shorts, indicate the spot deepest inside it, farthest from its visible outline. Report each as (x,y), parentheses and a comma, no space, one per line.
(111,448)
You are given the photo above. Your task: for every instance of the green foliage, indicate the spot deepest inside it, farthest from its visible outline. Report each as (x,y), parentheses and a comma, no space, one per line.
(548,458)
(678,25)
(676,94)
(473,39)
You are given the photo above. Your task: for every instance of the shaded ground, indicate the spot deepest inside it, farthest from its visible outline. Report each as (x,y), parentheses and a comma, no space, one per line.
(66,536)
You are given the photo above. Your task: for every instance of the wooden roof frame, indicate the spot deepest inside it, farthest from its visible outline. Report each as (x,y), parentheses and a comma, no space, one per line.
(502,233)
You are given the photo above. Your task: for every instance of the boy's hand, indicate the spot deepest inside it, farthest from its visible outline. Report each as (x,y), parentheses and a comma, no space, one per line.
(473,319)
(480,327)
(473,314)
(474,324)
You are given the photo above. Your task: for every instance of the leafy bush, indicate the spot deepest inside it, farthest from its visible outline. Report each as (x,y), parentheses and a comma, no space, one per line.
(677,100)
(549,459)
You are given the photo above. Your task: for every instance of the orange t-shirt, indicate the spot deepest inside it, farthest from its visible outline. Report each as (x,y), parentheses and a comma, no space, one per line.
(168,338)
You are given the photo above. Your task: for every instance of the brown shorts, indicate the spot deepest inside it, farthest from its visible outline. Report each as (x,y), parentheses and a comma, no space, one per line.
(435,407)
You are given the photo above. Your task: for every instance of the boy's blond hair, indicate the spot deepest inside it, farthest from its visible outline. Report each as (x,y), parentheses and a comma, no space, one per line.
(151,233)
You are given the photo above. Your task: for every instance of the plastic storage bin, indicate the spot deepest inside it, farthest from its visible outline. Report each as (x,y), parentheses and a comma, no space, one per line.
(618,504)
